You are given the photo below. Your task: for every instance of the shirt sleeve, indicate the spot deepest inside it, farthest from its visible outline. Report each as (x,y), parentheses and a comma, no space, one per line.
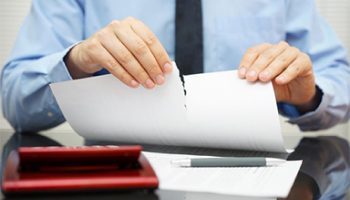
(47,34)
(308,31)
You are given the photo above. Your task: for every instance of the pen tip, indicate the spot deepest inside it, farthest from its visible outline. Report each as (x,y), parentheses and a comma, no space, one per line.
(175,162)
(274,161)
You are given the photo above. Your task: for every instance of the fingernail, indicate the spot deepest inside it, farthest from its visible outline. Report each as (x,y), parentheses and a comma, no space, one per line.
(242,71)
(265,73)
(252,73)
(160,79)
(167,68)
(133,83)
(149,84)
(281,79)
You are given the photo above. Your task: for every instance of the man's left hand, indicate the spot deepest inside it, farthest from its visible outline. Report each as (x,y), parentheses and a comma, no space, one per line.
(287,67)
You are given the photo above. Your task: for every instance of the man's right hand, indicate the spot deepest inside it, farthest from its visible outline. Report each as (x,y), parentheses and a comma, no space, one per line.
(128,49)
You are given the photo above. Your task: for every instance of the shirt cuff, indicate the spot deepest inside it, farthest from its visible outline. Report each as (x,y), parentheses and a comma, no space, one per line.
(60,71)
(287,110)
(313,120)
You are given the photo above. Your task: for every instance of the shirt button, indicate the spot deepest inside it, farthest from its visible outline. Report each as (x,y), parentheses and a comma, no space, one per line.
(49,114)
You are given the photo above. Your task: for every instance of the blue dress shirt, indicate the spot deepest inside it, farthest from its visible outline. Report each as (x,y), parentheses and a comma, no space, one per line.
(230,27)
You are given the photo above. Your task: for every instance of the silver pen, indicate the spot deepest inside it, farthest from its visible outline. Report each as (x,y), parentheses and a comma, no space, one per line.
(228,162)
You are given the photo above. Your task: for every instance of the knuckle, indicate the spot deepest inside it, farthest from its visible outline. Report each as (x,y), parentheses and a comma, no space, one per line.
(87,59)
(124,76)
(295,50)
(307,60)
(265,44)
(160,56)
(305,56)
(125,56)
(93,44)
(275,67)
(151,40)
(245,63)
(102,33)
(141,76)
(116,24)
(258,65)
(282,59)
(287,74)
(111,64)
(252,50)
(140,48)
(295,67)
(130,18)
(283,43)
(154,69)
(266,54)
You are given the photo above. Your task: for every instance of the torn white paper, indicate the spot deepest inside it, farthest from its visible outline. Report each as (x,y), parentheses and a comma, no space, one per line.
(220,110)
(272,181)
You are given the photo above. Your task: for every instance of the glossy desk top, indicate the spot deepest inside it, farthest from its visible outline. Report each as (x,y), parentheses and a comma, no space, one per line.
(11,141)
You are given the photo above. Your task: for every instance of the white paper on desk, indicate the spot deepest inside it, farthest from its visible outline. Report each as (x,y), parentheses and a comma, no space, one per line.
(222,111)
(272,181)
(165,194)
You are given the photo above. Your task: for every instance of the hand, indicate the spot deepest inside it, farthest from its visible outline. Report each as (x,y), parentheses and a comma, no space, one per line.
(289,70)
(128,49)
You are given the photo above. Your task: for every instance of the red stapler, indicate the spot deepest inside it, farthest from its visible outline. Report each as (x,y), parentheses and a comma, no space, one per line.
(86,168)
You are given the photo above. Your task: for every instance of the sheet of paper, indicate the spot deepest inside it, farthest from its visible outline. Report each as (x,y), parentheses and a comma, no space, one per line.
(165,194)
(219,110)
(211,196)
(272,181)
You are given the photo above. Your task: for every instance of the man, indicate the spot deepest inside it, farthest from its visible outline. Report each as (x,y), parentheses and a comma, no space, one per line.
(286,42)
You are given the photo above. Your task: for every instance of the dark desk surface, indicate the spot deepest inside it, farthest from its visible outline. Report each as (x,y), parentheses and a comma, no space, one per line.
(316,153)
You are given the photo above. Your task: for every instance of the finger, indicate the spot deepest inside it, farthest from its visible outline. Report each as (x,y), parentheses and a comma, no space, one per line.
(264,59)
(109,62)
(140,51)
(279,64)
(125,58)
(153,43)
(249,57)
(296,68)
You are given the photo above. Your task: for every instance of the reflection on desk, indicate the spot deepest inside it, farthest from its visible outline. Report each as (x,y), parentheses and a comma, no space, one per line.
(325,171)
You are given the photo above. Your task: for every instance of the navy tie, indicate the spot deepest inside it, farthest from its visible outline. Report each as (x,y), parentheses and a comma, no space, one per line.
(189,36)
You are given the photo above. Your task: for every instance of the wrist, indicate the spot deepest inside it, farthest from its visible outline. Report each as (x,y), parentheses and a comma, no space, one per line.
(72,64)
(313,104)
